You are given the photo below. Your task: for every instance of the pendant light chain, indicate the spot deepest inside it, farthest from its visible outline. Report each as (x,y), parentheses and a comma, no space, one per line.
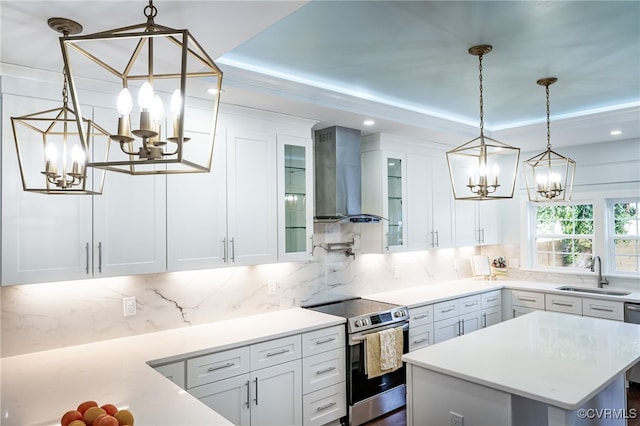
(150,11)
(548,120)
(481,99)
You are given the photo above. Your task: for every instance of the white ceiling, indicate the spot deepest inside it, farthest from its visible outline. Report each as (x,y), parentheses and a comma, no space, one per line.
(403,64)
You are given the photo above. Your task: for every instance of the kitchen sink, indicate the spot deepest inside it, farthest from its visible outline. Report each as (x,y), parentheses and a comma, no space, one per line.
(595,291)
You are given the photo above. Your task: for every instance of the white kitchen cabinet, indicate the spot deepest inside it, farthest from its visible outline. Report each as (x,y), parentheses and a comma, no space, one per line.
(260,384)
(523,302)
(64,237)
(456,317)
(421,332)
(600,308)
(238,213)
(562,303)
(491,305)
(324,376)
(476,223)
(403,182)
(295,198)
(174,372)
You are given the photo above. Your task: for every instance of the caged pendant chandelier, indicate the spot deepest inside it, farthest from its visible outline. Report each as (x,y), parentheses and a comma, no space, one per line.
(159,66)
(54,145)
(549,175)
(478,168)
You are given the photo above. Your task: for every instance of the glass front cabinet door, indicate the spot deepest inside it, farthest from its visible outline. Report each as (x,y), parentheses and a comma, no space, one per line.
(394,202)
(295,194)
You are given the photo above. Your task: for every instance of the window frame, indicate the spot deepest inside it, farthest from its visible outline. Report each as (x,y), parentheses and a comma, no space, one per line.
(611,237)
(533,233)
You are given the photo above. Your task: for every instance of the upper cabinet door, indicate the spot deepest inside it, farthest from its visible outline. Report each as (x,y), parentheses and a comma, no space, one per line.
(251,196)
(442,231)
(129,225)
(44,237)
(419,230)
(295,198)
(197,212)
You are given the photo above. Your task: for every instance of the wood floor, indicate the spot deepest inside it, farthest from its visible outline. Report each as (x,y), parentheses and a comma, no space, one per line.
(398,417)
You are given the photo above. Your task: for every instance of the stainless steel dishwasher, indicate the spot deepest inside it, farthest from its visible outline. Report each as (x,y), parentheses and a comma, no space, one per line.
(632,315)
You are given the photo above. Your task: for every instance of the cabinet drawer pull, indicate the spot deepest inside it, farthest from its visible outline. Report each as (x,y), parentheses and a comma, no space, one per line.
(324,407)
(426,339)
(468,305)
(568,305)
(595,308)
(325,370)
(421,316)
(327,340)
(444,311)
(220,367)
(526,299)
(493,299)
(280,352)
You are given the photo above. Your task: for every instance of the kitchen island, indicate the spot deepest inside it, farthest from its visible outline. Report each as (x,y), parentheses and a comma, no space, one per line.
(543,368)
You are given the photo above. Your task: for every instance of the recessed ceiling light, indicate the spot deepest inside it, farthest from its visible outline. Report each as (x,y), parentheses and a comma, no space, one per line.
(369,122)
(615,132)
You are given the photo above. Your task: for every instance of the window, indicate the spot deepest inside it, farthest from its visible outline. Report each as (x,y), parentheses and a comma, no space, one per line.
(563,236)
(624,235)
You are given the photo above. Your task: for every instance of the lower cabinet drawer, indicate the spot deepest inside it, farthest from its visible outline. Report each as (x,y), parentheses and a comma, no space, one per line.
(603,309)
(276,352)
(217,366)
(323,406)
(322,370)
(560,303)
(421,336)
(527,299)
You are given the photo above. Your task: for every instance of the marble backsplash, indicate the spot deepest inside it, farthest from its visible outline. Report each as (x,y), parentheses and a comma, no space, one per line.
(38,317)
(44,316)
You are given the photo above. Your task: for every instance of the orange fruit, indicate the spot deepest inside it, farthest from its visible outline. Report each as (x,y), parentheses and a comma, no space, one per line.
(70,416)
(77,423)
(105,420)
(110,409)
(86,405)
(124,417)
(91,414)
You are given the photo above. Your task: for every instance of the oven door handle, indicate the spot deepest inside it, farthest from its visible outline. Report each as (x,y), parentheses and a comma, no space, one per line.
(364,336)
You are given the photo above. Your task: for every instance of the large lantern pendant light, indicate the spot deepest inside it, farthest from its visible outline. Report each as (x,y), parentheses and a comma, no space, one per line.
(549,175)
(158,66)
(54,145)
(483,168)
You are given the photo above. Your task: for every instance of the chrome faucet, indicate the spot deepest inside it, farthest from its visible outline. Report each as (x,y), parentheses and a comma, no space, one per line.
(601,280)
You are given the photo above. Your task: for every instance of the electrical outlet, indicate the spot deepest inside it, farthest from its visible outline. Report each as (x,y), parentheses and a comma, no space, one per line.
(129,306)
(272,287)
(456,419)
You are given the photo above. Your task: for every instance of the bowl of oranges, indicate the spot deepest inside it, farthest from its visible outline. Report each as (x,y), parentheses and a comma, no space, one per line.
(89,413)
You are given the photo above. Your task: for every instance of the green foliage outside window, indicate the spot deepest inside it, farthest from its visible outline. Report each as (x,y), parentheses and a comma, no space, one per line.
(564,235)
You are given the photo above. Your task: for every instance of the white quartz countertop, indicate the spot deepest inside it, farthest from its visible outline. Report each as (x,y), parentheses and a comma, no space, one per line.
(558,359)
(433,293)
(39,387)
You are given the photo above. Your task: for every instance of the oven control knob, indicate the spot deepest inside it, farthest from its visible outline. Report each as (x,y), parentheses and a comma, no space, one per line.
(359,323)
(400,313)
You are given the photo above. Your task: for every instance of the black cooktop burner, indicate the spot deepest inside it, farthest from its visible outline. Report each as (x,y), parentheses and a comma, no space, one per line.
(353,307)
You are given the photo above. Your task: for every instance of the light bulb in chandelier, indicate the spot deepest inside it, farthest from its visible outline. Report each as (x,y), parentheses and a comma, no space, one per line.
(51,159)
(78,161)
(124,105)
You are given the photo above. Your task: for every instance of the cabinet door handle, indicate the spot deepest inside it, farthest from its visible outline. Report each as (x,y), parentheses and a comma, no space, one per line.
(224,250)
(568,305)
(482,230)
(248,394)
(280,352)
(437,240)
(484,320)
(256,398)
(386,236)
(595,308)
(233,250)
(327,340)
(86,249)
(324,407)
(100,257)
(220,367)
(325,370)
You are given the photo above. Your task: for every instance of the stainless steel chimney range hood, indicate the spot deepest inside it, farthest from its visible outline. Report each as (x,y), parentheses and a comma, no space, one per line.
(337,177)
